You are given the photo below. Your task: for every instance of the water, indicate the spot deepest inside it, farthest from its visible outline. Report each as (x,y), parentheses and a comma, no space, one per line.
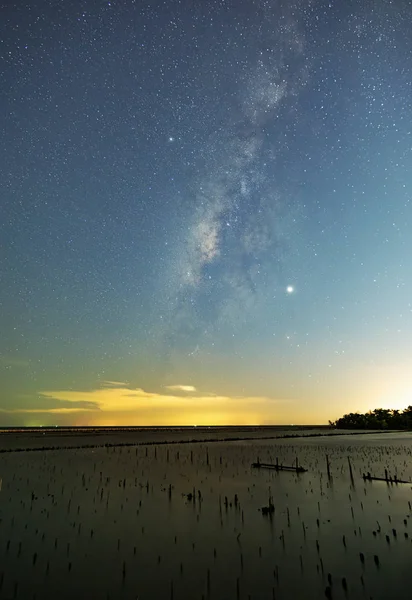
(117,522)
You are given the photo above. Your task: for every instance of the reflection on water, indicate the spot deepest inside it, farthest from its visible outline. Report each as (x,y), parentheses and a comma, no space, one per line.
(186,521)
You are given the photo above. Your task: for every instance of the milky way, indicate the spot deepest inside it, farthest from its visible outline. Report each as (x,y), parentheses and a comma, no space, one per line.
(240,226)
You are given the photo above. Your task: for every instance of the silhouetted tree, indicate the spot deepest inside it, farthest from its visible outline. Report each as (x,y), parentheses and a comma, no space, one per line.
(379,418)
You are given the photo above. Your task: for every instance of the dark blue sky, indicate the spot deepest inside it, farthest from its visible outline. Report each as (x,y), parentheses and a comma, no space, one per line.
(205,194)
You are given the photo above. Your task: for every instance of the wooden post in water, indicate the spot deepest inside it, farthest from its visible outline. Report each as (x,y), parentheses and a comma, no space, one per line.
(328,465)
(350,470)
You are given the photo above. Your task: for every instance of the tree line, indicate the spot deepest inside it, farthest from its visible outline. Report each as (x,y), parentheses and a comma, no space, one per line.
(380,418)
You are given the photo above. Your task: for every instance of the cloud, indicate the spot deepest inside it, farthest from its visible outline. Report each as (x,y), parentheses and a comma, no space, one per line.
(115,383)
(52,411)
(181,388)
(137,406)
(48,405)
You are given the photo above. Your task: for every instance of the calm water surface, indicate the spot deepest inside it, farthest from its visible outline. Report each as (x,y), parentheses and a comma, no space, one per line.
(118,522)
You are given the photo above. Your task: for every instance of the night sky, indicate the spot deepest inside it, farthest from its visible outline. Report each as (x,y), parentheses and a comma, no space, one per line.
(205,211)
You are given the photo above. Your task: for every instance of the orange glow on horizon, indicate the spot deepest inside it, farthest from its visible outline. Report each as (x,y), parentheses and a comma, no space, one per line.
(110,405)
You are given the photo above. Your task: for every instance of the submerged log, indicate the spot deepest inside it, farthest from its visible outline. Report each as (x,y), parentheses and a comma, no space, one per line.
(387,478)
(277,467)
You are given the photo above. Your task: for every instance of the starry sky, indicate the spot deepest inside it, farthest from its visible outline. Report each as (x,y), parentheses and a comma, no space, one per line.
(205,211)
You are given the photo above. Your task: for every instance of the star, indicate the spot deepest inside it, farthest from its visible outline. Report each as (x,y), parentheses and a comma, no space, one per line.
(290,289)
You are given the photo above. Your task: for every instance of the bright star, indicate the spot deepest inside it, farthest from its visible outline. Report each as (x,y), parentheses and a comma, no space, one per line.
(290,289)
